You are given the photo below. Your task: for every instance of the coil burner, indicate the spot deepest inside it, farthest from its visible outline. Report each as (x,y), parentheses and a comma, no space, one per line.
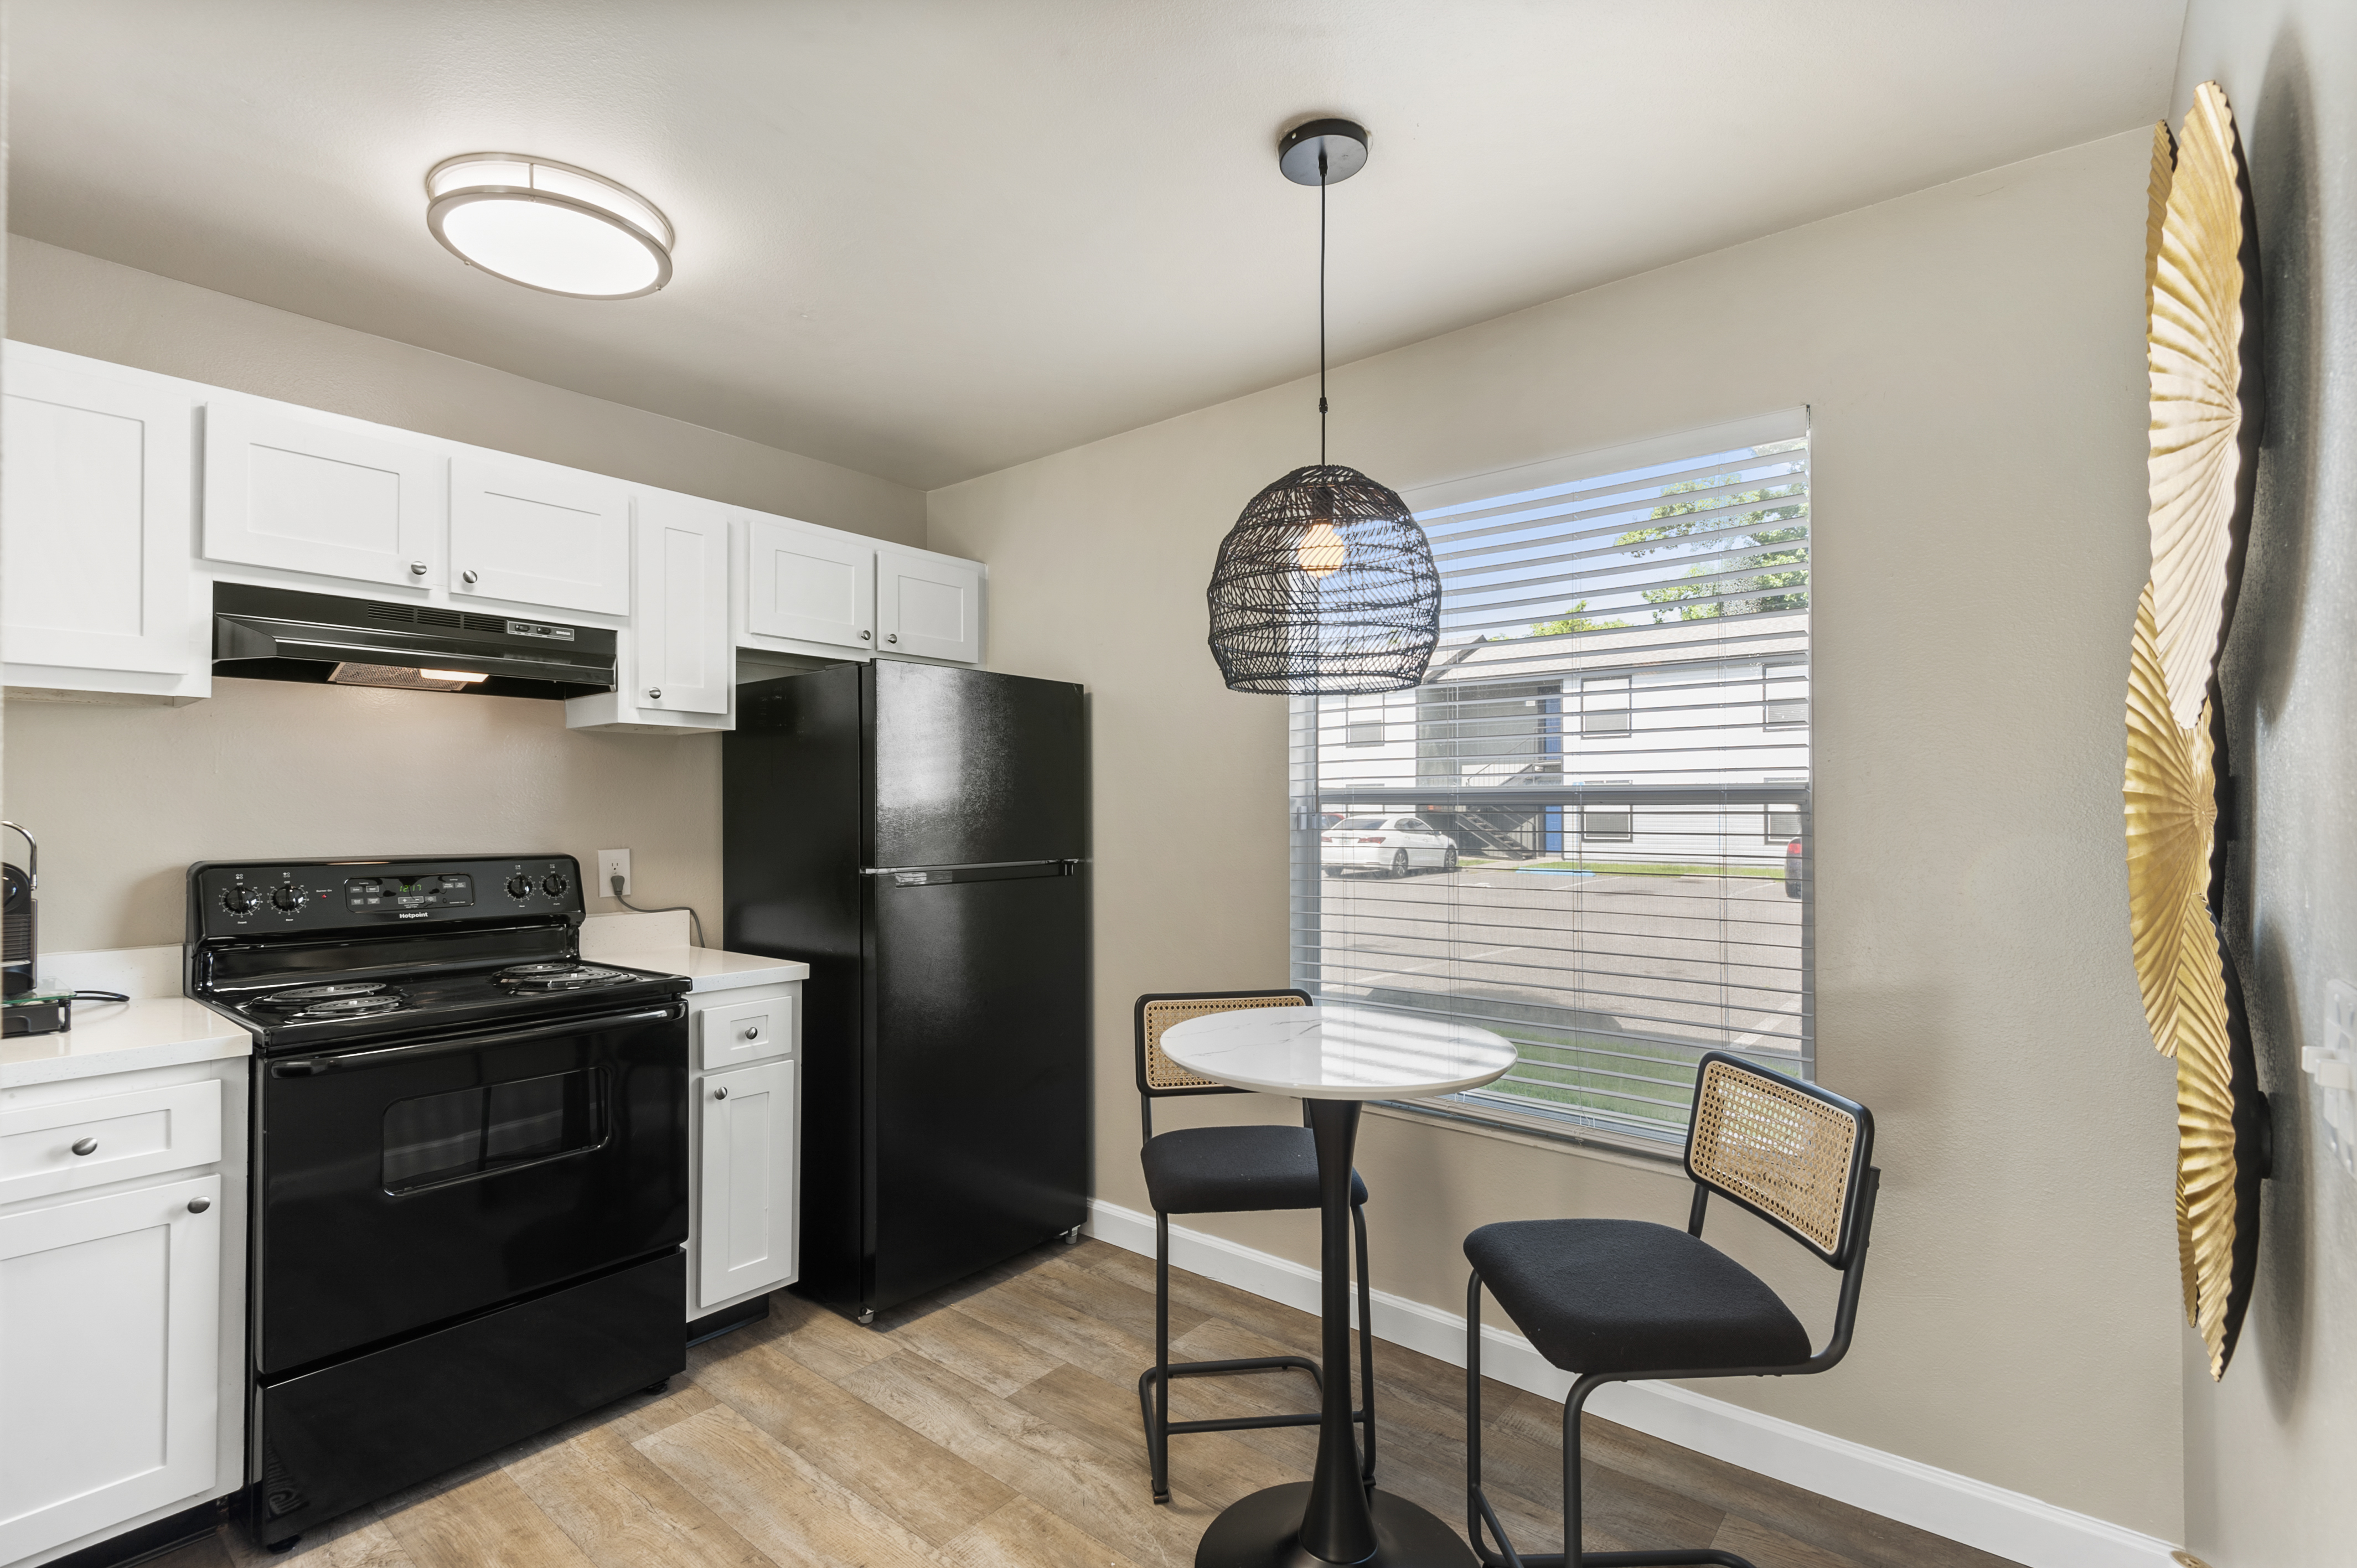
(559,976)
(346,999)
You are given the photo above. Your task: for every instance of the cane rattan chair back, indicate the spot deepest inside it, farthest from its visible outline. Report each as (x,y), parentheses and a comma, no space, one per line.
(1789,1151)
(1157,1075)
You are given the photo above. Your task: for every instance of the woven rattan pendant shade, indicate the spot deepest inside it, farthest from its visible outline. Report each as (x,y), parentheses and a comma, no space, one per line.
(1325,584)
(1295,612)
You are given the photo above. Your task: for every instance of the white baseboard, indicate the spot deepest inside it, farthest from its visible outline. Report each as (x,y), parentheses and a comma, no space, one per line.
(2010,1524)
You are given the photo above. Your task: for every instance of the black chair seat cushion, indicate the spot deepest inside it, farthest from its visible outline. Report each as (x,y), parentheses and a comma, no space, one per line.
(1627,1295)
(1235,1170)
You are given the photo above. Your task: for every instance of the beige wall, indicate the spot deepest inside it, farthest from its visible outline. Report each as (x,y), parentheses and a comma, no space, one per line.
(2269,1450)
(1973,357)
(124,798)
(62,299)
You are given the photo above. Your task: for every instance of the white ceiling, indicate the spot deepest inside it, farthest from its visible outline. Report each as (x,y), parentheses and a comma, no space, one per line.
(931,238)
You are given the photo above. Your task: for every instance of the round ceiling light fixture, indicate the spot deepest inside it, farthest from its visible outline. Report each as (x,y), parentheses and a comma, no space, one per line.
(548,226)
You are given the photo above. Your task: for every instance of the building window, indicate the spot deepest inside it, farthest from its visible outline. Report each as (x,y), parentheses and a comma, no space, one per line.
(1616,716)
(1784,695)
(1603,705)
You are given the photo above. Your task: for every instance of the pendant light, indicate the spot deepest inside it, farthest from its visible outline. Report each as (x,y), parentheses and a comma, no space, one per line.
(1325,585)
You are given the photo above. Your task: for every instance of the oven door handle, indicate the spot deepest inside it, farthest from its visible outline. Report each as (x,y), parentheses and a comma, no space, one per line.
(312,1067)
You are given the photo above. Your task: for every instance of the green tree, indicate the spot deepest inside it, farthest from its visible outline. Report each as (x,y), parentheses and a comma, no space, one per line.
(1575,621)
(1742,524)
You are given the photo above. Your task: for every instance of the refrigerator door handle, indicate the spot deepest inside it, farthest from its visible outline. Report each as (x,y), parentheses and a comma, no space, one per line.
(981,870)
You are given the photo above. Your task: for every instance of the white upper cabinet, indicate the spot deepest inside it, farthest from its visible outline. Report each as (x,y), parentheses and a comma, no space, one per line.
(538,534)
(679,620)
(928,605)
(811,585)
(95,525)
(317,497)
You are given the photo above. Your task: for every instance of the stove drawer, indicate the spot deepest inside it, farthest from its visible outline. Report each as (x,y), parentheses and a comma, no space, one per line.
(743,1032)
(90,1140)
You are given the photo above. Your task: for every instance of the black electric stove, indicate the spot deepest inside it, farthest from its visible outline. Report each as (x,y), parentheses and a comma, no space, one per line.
(469,1164)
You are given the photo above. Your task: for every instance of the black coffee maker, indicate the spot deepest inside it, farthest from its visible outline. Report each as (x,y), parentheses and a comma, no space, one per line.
(18,885)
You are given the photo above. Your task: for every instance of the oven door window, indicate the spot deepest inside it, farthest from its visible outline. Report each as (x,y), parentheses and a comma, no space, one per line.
(440,1138)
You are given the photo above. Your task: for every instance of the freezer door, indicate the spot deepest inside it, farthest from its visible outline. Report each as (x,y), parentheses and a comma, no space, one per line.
(980,1057)
(969,766)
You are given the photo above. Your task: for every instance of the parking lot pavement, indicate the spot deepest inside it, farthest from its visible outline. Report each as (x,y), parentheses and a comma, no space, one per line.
(1701,960)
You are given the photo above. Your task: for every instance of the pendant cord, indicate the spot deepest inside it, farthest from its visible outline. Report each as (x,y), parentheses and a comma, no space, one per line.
(1321,309)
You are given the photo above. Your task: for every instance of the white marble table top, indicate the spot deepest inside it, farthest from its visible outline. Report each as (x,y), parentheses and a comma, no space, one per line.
(1338,1053)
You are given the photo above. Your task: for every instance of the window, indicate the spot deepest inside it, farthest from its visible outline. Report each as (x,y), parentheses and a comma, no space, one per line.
(1617,711)
(1368,733)
(1604,705)
(1784,695)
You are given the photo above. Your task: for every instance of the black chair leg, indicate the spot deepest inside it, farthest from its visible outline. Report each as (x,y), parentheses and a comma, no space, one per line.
(1366,1352)
(1158,1425)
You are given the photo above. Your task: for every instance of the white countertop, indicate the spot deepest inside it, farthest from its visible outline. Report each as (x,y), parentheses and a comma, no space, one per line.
(1338,1053)
(710,969)
(121,1036)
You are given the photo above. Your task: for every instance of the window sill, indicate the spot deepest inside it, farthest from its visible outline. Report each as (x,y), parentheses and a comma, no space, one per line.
(1639,1154)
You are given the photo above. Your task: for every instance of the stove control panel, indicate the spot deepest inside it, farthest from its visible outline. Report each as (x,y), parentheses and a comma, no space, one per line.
(230,899)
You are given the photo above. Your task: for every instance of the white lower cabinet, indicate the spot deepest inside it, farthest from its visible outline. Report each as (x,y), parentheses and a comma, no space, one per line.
(110,1359)
(744,1234)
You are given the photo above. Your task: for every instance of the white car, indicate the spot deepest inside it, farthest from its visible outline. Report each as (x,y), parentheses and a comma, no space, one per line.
(1388,846)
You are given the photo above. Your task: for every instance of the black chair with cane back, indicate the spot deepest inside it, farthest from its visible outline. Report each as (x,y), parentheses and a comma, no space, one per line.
(1227,1170)
(1613,1300)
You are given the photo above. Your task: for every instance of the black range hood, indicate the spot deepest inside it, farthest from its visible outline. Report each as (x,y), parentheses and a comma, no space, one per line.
(279,634)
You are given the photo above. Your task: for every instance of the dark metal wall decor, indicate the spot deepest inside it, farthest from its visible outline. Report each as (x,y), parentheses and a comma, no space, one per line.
(2201,356)
(1325,584)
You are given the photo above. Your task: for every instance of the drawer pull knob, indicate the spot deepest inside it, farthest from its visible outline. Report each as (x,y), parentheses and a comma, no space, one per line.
(417,568)
(752,1031)
(720,1093)
(86,1146)
(198,1205)
(469,577)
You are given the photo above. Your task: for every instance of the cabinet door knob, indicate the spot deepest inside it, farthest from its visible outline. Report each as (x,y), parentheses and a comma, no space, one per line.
(654,693)
(891,637)
(752,1031)
(467,578)
(198,1205)
(720,1093)
(417,568)
(866,635)
(86,1146)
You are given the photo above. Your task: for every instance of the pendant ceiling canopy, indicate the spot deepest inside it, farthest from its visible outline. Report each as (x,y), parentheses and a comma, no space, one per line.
(1325,584)
(2204,391)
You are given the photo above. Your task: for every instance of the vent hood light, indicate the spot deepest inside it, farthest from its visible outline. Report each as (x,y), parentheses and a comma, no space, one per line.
(548,226)
(403,677)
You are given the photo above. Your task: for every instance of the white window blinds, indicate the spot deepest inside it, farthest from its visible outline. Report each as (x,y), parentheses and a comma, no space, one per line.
(1607,771)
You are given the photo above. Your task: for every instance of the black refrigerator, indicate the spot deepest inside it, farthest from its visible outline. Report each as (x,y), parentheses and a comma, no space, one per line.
(918,834)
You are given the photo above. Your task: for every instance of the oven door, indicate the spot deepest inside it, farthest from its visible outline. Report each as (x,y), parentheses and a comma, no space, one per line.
(405,1185)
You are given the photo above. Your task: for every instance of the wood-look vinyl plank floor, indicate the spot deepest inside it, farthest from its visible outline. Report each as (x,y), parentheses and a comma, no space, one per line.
(996,1425)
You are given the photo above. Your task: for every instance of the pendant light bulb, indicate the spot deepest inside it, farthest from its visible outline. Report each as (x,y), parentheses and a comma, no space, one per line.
(1321,551)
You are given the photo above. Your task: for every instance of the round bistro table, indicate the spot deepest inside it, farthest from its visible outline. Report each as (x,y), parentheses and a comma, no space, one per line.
(1335,1059)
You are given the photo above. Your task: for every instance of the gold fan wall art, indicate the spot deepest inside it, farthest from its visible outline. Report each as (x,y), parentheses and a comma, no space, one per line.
(2203,386)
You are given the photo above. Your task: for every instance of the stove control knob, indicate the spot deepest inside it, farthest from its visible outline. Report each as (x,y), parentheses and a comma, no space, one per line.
(554,885)
(289,897)
(519,885)
(241,900)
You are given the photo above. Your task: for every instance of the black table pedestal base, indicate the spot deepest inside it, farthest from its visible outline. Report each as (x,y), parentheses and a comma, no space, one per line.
(1263,1531)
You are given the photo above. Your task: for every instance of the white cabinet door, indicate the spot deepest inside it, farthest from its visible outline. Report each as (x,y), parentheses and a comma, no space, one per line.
(110,1351)
(810,584)
(95,493)
(538,534)
(679,623)
(928,605)
(316,498)
(745,1213)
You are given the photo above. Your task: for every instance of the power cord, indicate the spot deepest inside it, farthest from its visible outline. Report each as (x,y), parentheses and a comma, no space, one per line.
(695,925)
(100,996)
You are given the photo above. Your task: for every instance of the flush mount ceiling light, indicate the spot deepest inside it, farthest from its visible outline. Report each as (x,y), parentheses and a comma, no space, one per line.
(1325,585)
(548,226)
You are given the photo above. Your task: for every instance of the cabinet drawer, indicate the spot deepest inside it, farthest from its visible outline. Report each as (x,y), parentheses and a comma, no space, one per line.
(745,1032)
(141,1133)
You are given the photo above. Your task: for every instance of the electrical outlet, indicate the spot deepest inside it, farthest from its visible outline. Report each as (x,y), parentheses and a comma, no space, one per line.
(2333,1065)
(613,863)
